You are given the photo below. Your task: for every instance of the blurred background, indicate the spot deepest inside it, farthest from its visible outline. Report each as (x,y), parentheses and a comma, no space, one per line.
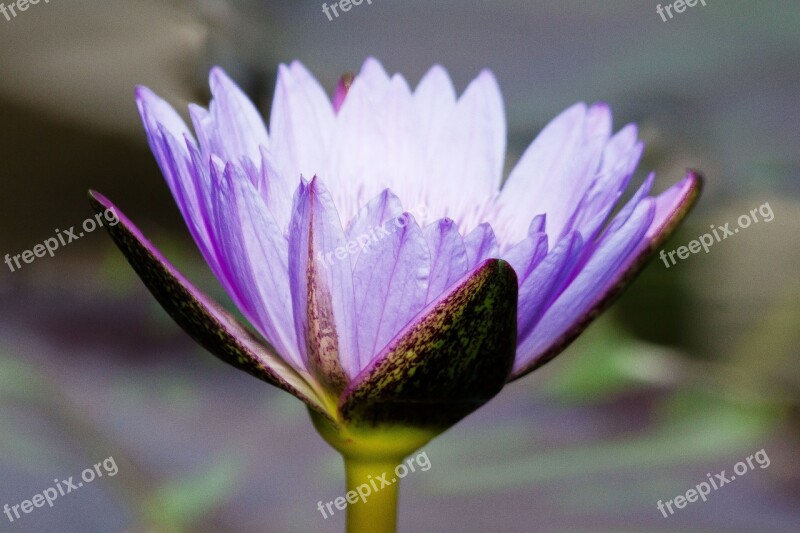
(694,369)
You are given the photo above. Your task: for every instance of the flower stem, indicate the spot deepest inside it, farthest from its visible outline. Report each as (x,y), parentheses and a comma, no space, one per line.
(371,454)
(375,510)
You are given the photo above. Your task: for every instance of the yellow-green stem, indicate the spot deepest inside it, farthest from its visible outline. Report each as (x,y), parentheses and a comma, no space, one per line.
(371,455)
(376,509)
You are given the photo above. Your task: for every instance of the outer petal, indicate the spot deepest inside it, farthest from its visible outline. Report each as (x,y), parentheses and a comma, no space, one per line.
(204,320)
(620,158)
(192,184)
(391,283)
(621,254)
(671,207)
(176,166)
(322,288)
(276,188)
(591,280)
(165,133)
(255,252)
(451,359)
(154,111)
(525,255)
(187,176)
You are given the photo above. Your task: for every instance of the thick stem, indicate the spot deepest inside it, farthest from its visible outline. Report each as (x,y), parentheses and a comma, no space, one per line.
(371,455)
(375,484)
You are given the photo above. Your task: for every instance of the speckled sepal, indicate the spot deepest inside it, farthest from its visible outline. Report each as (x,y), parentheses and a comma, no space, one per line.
(202,318)
(450,360)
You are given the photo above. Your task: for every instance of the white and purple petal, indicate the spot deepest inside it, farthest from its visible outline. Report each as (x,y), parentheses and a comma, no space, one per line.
(255,253)
(390,281)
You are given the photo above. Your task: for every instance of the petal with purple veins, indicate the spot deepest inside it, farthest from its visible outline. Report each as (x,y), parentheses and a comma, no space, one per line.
(453,357)
(390,282)
(546,281)
(622,252)
(365,228)
(448,256)
(255,253)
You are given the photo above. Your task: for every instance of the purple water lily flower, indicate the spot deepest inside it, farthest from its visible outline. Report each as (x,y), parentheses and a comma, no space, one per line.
(390,275)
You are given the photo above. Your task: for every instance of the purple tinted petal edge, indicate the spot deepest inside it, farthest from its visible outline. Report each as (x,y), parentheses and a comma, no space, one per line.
(691,187)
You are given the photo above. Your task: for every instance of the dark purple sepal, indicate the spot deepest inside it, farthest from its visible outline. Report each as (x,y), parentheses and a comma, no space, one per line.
(451,359)
(203,319)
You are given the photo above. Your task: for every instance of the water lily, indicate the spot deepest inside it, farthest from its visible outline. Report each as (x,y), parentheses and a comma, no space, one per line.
(393,281)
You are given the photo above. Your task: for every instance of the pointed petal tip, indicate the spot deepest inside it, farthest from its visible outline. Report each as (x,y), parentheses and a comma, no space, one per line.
(489,76)
(220,82)
(696,177)
(342,88)
(97,198)
(579,106)
(100,203)
(217,75)
(147,97)
(673,205)
(142,92)
(284,75)
(692,185)
(372,62)
(438,70)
